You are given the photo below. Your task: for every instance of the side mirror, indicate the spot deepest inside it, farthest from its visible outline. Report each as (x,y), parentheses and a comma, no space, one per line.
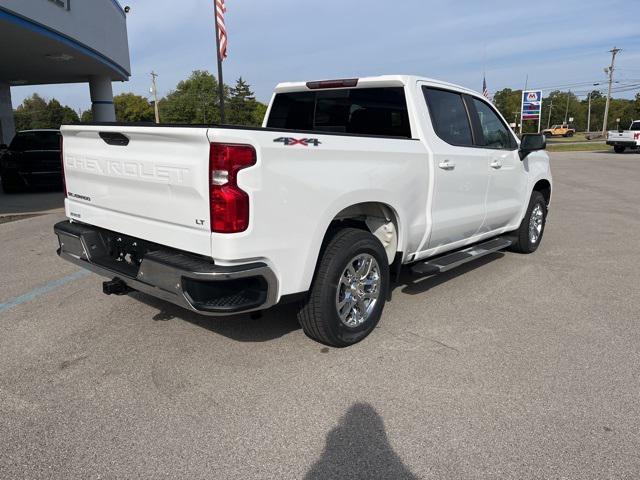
(532,142)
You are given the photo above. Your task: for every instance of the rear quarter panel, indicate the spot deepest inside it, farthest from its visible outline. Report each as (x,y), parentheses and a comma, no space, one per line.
(296,191)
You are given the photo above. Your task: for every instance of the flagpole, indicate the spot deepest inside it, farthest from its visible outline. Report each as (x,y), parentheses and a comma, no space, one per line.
(220,79)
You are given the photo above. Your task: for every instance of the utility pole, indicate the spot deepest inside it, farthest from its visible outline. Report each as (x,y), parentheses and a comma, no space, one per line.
(589,115)
(154,91)
(549,121)
(609,70)
(566,112)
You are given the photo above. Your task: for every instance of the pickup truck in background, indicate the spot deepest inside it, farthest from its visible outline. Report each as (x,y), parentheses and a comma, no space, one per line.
(346,182)
(620,140)
(32,160)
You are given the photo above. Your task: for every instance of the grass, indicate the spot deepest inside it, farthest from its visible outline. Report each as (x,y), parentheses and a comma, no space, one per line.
(578,137)
(579,147)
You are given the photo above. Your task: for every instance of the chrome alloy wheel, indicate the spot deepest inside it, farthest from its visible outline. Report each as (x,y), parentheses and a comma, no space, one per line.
(535,223)
(358,290)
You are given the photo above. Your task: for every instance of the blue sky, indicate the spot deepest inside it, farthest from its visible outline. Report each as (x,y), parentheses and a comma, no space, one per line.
(553,42)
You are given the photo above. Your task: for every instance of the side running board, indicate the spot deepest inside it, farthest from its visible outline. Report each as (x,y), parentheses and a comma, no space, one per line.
(452,260)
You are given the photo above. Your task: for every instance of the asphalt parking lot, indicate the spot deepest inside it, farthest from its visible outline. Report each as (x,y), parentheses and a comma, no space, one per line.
(513,367)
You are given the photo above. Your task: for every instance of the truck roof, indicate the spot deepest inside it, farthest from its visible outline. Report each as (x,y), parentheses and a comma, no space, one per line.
(379,81)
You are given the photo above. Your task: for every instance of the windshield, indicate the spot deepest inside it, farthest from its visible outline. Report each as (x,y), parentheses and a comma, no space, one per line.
(36,141)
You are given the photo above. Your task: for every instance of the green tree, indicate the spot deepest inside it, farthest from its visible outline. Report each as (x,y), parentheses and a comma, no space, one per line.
(87,116)
(194,100)
(563,105)
(242,105)
(509,102)
(35,112)
(133,108)
(259,113)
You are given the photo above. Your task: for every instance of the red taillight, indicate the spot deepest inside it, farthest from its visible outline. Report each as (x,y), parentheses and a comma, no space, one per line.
(64,181)
(229,204)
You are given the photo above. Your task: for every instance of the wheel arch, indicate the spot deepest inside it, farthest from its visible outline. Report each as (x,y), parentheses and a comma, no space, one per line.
(378,218)
(544,187)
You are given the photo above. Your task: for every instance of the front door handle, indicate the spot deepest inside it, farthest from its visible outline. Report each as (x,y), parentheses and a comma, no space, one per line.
(447,165)
(497,164)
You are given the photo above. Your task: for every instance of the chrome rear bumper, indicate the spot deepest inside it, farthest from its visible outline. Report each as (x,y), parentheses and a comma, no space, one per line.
(184,279)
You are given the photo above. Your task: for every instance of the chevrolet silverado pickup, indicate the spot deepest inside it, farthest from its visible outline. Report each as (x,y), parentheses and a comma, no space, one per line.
(346,182)
(623,139)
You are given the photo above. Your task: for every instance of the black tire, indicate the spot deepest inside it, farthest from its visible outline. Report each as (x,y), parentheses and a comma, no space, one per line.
(548,134)
(319,315)
(569,134)
(522,240)
(618,149)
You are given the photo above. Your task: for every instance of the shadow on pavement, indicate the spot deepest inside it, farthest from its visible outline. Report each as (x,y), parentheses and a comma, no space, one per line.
(281,319)
(416,285)
(271,324)
(358,448)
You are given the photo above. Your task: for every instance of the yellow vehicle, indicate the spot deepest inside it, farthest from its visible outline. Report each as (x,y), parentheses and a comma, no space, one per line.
(559,131)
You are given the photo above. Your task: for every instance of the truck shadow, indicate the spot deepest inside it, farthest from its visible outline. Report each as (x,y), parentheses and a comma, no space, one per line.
(269,325)
(281,319)
(416,285)
(359,448)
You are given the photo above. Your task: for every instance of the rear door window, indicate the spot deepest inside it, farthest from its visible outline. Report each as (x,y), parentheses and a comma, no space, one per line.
(449,116)
(359,111)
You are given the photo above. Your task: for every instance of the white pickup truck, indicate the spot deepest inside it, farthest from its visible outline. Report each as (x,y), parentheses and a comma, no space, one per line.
(621,140)
(347,181)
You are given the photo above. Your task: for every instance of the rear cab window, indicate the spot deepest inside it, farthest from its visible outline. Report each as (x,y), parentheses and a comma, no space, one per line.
(635,126)
(357,111)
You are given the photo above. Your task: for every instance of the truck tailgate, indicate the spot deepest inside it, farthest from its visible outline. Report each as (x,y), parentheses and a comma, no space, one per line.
(147,182)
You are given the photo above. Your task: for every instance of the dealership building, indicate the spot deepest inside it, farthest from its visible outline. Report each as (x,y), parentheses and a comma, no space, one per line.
(62,41)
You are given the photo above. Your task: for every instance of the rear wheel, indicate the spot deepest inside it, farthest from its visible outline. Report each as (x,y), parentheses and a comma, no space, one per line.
(618,149)
(349,290)
(529,235)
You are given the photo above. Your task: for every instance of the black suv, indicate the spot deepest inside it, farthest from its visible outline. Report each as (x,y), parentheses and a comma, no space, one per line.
(32,160)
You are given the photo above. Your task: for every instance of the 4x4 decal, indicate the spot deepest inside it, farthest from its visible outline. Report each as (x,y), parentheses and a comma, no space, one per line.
(305,142)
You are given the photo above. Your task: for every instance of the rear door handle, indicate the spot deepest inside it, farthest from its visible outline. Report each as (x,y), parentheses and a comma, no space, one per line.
(497,164)
(447,165)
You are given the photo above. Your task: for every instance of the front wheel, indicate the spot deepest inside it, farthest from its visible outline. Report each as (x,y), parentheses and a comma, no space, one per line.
(529,235)
(349,290)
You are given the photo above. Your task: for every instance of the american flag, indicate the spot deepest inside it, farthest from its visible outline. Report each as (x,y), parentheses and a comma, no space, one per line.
(222,30)
(485,90)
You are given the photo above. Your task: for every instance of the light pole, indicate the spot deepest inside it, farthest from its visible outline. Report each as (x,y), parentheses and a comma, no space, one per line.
(549,121)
